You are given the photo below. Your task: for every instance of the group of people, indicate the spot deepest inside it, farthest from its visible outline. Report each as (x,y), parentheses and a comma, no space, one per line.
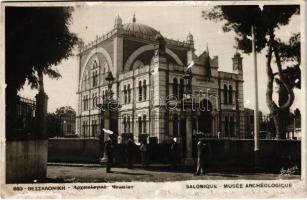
(201,151)
(130,152)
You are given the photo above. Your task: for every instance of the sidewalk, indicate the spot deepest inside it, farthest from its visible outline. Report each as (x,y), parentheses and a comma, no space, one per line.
(154,165)
(59,172)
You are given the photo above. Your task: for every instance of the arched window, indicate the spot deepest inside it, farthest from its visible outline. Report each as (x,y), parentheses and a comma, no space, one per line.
(144,124)
(128,124)
(231,127)
(230,94)
(84,129)
(226,127)
(144,90)
(175,87)
(129,94)
(175,125)
(84,102)
(85,80)
(95,78)
(105,67)
(95,65)
(140,90)
(225,94)
(88,102)
(125,95)
(125,124)
(140,124)
(93,100)
(181,88)
(94,128)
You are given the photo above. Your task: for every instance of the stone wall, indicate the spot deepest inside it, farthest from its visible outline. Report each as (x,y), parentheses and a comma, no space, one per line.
(73,150)
(26,160)
(239,154)
(222,154)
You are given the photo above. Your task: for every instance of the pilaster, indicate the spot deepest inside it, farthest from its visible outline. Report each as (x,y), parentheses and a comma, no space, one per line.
(41,114)
(118,43)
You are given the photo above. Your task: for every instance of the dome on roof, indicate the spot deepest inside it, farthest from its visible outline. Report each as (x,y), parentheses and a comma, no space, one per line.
(140,28)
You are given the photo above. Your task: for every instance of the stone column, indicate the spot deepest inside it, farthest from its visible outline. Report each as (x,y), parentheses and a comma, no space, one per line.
(106,123)
(188,161)
(41,132)
(41,114)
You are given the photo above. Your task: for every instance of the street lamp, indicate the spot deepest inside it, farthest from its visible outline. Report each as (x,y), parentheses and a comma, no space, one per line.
(104,105)
(108,108)
(188,79)
(110,79)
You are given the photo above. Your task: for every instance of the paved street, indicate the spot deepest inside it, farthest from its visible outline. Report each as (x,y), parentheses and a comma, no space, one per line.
(95,173)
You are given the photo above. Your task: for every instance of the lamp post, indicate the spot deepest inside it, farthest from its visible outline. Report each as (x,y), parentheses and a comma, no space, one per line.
(108,107)
(187,103)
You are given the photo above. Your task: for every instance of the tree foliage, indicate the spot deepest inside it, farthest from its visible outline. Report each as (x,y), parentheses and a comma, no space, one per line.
(64,110)
(266,20)
(36,39)
(240,18)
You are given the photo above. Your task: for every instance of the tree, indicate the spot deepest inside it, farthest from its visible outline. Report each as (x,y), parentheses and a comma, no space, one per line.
(65,110)
(290,55)
(64,114)
(36,39)
(266,20)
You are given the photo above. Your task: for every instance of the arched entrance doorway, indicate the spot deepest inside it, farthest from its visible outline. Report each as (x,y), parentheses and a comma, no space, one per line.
(205,117)
(203,123)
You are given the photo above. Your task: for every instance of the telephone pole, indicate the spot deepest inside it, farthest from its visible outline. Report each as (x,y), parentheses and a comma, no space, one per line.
(256,119)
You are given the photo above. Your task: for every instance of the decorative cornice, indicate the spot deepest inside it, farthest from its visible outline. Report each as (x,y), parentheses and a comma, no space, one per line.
(135,34)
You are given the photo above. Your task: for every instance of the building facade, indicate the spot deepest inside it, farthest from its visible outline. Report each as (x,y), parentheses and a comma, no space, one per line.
(149,70)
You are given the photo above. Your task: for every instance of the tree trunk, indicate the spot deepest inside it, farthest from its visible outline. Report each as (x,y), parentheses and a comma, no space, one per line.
(274,110)
(284,114)
(279,113)
(280,123)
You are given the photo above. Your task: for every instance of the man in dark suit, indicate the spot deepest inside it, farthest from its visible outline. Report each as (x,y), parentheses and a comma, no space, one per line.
(200,158)
(108,149)
(174,153)
(130,152)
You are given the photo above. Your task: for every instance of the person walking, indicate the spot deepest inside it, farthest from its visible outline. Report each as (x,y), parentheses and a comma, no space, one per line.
(174,153)
(130,147)
(108,150)
(143,149)
(200,158)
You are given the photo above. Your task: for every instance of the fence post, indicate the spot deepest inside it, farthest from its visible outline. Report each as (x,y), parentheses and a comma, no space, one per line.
(41,114)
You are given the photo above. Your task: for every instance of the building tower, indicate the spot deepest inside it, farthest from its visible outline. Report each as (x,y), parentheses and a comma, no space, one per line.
(118,22)
(237,63)
(238,69)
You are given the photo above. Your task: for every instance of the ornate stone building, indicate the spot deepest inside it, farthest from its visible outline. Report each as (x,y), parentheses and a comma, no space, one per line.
(149,70)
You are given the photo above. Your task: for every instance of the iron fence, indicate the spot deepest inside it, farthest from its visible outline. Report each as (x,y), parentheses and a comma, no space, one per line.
(25,116)
(90,126)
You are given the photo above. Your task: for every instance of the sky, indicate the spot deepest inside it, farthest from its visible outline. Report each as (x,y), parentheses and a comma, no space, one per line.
(174,21)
